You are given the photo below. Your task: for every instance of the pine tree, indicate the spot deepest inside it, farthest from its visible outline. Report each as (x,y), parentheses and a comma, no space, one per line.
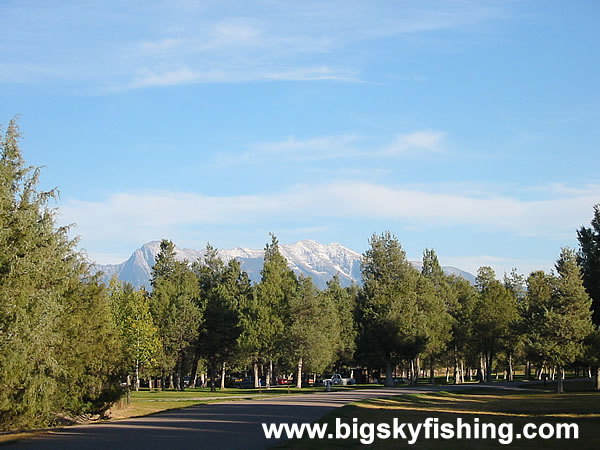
(569,317)
(58,352)
(222,290)
(175,310)
(344,300)
(588,258)
(277,286)
(440,304)
(390,323)
(493,317)
(314,329)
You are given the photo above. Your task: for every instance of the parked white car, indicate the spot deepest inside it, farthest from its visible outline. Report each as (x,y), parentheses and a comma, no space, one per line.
(337,379)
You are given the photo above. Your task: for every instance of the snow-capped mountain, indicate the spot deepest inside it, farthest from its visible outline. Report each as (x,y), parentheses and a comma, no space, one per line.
(319,261)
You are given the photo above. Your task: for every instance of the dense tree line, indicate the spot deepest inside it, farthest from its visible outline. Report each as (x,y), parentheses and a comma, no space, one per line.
(68,343)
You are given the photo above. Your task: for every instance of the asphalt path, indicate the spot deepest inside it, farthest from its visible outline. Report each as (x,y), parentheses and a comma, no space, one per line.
(227,425)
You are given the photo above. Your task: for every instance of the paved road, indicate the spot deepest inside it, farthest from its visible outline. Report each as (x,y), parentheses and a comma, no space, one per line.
(229,425)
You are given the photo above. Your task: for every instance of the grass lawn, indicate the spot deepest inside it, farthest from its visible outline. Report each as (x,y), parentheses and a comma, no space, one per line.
(489,405)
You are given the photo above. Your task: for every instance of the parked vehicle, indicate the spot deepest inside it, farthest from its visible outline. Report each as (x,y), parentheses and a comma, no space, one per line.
(337,379)
(248,382)
(282,381)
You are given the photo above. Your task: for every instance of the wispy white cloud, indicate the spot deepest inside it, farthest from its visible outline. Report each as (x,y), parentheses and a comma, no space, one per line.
(336,147)
(185,75)
(144,216)
(213,43)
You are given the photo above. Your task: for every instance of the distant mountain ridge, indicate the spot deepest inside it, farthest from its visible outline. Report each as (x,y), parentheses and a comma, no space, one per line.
(318,261)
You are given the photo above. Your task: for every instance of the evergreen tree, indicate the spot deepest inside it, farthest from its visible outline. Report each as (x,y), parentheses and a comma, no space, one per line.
(569,317)
(494,316)
(91,352)
(588,258)
(440,304)
(462,323)
(58,352)
(344,300)
(277,286)
(175,310)
(390,323)
(222,292)
(515,284)
(540,291)
(314,329)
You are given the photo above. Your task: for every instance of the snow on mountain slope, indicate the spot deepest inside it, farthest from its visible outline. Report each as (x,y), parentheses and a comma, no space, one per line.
(318,261)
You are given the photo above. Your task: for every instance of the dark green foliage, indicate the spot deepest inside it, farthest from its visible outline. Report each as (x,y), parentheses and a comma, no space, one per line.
(277,287)
(391,326)
(494,315)
(314,331)
(175,310)
(58,351)
(223,291)
(558,314)
(588,258)
(90,352)
(344,300)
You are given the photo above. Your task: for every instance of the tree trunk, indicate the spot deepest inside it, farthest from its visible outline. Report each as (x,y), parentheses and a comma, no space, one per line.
(447,374)
(299,374)
(213,374)
(559,384)
(431,371)
(223,376)
(462,371)
(194,375)
(481,369)
(389,380)
(488,366)
(597,370)
(527,370)
(268,377)
(171,383)
(456,379)
(511,372)
(137,375)
(417,370)
(256,376)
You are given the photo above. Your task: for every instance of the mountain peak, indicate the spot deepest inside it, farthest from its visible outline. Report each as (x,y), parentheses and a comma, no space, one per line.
(309,257)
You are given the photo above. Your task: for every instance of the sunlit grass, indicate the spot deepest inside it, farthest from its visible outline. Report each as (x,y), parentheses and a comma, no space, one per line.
(489,406)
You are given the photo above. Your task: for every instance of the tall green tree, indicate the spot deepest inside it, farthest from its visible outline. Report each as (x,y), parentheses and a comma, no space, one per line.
(174,305)
(462,323)
(494,315)
(588,258)
(391,325)
(223,288)
(439,304)
(55,333)
(314,329)
(558,315)
(569,317)
(344,300)
(131,313)
(277,286)
(90,354)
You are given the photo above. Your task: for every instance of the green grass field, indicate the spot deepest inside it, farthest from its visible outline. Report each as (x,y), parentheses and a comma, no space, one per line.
(488,405)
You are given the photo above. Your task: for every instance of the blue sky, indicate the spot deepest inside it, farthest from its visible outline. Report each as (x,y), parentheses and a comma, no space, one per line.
(470,127)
